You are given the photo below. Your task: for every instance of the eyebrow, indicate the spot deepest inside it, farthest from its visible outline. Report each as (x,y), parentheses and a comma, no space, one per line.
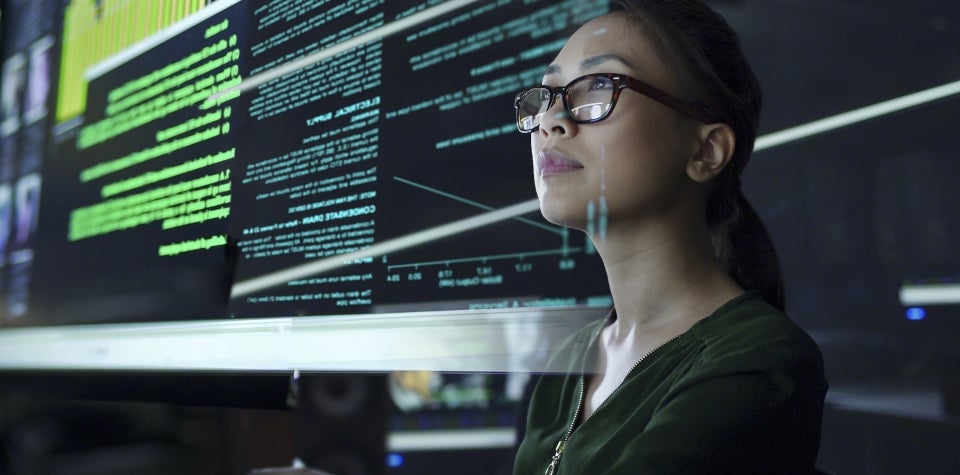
(591,62)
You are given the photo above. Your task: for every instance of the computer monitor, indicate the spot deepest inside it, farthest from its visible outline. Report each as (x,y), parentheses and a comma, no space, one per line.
(187,182)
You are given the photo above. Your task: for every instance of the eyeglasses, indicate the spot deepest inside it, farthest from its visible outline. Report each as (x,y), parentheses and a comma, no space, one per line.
(591,98)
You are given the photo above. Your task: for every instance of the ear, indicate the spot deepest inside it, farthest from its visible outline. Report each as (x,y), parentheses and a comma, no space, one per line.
(716,145)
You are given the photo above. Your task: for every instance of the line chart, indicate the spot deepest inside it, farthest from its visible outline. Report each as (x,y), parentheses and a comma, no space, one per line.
(564,250)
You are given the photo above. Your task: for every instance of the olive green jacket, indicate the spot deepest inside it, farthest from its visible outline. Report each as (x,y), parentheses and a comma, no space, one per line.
(740,392)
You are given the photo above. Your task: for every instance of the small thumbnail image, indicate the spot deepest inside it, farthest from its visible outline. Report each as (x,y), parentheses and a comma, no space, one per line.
(11,97)
(27,207)
(38,86)
(6,210)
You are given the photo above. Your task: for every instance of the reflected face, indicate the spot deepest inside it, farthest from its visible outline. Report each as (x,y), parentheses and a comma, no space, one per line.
(627,167)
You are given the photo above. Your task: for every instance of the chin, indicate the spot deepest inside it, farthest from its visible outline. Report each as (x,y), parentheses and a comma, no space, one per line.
(563,215)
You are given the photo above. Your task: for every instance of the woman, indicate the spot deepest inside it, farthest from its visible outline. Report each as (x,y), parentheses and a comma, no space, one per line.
(639,134)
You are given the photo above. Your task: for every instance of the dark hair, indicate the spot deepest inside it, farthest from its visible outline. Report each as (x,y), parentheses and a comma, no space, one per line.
(706,56)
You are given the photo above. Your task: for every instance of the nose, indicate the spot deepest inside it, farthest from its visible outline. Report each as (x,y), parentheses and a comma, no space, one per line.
(556,121)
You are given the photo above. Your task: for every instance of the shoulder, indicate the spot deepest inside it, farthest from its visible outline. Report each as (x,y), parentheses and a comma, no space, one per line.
(748,334)
(567,355)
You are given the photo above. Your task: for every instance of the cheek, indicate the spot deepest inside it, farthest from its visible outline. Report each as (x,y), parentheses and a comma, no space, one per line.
(535,147)
(640,171)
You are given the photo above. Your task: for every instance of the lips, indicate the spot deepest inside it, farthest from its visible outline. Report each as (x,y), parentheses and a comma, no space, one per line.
(551,162)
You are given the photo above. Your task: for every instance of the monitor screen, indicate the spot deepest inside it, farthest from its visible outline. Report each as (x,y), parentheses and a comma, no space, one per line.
(170,180)
(230,162)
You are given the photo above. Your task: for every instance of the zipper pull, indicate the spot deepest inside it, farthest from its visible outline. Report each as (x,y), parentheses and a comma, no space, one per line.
(555,460)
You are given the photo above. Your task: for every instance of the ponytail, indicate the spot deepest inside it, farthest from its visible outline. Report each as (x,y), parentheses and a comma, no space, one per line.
(745,250)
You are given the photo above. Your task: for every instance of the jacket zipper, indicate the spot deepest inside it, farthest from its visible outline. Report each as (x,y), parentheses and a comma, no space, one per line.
(561,445)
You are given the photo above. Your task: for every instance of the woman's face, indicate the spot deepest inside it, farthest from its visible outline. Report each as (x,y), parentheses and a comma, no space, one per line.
(627,168)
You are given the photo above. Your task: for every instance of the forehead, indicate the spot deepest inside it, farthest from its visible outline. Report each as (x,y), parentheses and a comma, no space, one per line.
(608,35)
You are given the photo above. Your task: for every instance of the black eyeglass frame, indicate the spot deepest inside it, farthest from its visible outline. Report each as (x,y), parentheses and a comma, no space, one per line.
(620,82)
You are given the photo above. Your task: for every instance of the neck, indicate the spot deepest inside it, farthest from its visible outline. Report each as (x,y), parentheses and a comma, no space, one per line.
(663,278)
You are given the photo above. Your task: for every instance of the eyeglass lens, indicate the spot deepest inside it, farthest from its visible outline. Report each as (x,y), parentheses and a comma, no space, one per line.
(587,100)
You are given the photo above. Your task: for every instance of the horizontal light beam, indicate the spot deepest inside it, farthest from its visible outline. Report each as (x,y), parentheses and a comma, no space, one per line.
(310,59)
(411,441)
(929,294)
(386,247)
(857,115)
(491,340)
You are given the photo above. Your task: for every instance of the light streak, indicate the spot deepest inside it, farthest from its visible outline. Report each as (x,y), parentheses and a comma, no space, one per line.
(409,441)
(373,35)
(857,115)
(410,240)
(929,294)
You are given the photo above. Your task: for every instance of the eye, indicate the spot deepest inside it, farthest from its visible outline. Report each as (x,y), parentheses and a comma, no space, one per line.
(600,83)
